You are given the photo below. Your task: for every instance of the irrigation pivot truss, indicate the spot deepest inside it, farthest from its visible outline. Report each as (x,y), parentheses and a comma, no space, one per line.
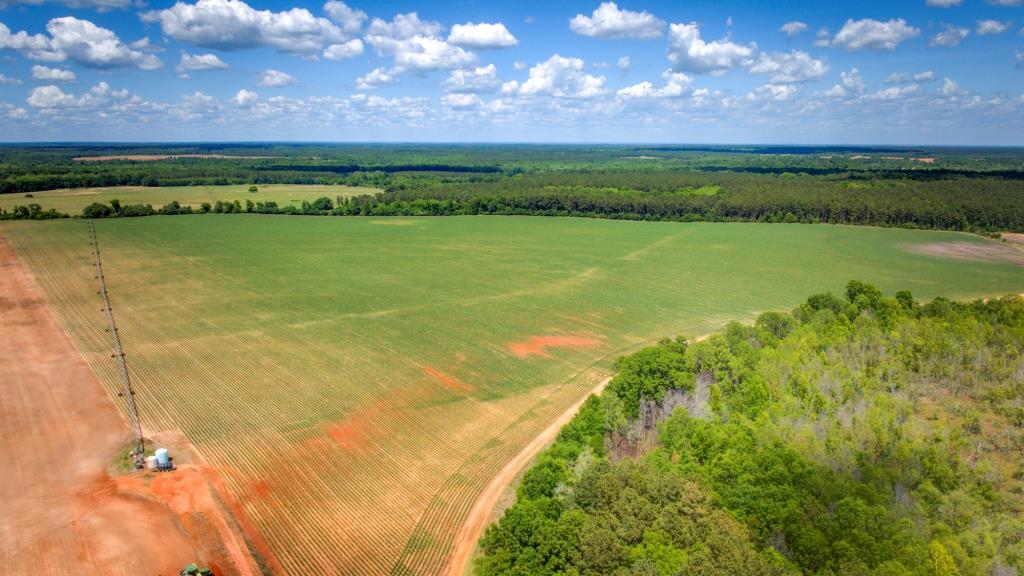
(127,393)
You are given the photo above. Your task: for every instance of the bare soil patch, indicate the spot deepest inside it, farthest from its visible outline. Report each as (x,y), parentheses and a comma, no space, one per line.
(977,251)
(538,345)
(63,510)
(1013,237)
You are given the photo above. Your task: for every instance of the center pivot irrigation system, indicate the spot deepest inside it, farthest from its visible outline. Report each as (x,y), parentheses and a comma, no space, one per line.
(138,453)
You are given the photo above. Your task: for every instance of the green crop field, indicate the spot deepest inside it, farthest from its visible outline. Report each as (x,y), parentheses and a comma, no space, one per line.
(357,381)
(72,200)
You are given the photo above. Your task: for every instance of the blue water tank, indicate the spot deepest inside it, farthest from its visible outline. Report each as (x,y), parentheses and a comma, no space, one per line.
(163,460)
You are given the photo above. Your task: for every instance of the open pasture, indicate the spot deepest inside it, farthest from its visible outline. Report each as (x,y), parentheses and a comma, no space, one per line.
(72,200)
(357,381)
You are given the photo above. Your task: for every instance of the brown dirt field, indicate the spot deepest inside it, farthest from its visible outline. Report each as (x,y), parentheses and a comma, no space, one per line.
(479,516)
(985,252)
(1013,237)
(538,345)
(924,160)
(155,157)
(64,510)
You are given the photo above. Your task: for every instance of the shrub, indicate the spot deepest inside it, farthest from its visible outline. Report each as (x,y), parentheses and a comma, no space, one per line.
(96,210)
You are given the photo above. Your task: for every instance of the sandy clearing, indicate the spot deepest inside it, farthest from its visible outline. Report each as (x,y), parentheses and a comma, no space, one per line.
(1013,237)
(61,510)
(977,251)
(480,514)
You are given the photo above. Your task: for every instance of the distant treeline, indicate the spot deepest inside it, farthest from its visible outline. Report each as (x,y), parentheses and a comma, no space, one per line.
(971,190)
(952,204)
(978,205)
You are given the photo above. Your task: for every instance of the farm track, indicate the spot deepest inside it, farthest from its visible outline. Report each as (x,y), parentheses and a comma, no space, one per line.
(476,521)
(359,442)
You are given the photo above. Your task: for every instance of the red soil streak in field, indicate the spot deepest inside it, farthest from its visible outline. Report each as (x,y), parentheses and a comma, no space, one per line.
(350,435)
(253,537)
(261,488)
(538,345)
(446,380)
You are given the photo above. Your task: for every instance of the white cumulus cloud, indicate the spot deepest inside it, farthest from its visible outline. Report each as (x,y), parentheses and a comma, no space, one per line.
(689,53)
(481,36)
(944,3)
(53,97)
(234,25)
(773,92)
(344,51)
(245,98)
(792,29)
(473,80)
(98,5)
(868,34)
(986,27)
(851,83)
(415,45)
(8,81)
(350,20)
(270,78)
(79,41)
(191,62)
(560,77)
(47,74)
(376,78)
(949,36)
(461,101)
(786,68)
(609,21)
(676,84)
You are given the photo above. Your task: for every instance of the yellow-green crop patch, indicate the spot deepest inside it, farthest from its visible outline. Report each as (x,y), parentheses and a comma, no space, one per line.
(357,385)
(72,200)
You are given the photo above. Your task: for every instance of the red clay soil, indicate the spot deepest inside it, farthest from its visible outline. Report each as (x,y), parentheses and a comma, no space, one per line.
(538,345)
(447,381)
(62,510)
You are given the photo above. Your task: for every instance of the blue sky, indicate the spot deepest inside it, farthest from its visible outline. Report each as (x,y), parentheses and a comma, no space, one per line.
(874,72)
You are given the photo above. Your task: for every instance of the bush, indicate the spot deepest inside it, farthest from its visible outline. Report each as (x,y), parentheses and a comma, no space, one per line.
(96,210)
(253,189)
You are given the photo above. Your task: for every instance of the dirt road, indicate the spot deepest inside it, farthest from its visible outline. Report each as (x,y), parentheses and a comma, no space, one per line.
(480,515)
(62,512)
(476,522)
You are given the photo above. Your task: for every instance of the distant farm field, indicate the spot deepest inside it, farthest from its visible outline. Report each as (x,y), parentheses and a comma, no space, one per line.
(72,200)
(357,381)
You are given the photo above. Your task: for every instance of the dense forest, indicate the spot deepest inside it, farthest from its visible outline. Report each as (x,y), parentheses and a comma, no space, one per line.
(856,435)
(979,190)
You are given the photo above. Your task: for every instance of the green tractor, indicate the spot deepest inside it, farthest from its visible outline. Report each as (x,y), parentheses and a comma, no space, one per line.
(193,570)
